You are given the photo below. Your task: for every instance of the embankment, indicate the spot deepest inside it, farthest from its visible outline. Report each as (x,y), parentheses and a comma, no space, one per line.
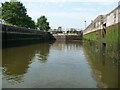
(110,43)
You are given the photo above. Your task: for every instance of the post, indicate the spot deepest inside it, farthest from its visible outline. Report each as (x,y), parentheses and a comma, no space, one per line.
(85,24)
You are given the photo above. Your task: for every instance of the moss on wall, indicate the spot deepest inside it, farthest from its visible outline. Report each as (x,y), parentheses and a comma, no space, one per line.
(111,41)
(110,37)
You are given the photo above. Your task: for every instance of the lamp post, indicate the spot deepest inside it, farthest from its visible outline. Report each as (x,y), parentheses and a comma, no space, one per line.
(85,23)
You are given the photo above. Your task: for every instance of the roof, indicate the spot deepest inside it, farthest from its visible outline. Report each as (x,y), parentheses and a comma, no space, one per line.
(114,9)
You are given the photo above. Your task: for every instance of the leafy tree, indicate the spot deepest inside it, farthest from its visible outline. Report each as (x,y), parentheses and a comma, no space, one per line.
(29,23)
(42,23)
(72,30)
(16,14)
(59,29)
(67,32)
(0,14)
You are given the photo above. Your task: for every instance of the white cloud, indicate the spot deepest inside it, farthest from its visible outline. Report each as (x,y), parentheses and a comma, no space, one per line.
(70,0)
(61,5)
(85,9)
(72,15)
(62,17)
(64,1)
(78,9)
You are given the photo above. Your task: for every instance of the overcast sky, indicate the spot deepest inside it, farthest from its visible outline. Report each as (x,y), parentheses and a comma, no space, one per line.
(68,13)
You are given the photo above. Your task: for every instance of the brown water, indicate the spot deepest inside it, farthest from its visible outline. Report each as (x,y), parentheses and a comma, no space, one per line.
(57,65)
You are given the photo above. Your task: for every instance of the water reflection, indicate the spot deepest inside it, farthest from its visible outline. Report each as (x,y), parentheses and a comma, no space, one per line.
(16,60)
(103,69)
(62,45)
(63,64)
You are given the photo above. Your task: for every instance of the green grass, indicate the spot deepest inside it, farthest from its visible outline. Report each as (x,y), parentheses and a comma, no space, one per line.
(111,35)
(91,36)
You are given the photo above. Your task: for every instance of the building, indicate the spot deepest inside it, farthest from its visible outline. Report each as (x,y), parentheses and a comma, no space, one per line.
(96,24)
(113,16)
(109,19)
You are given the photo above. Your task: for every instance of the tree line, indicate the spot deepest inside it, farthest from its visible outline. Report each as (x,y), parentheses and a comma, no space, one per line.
(15,13)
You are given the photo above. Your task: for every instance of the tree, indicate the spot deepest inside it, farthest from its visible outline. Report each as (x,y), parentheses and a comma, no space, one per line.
(42,23)
(16,14)
(0,14)
(59,29)
(29,23)
(72,30)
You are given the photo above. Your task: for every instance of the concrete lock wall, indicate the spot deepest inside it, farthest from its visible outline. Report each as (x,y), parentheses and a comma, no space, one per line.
(68,36)
(106,38)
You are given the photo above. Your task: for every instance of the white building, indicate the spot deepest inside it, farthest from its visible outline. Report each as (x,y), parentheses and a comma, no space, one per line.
(110,19)
(113,16)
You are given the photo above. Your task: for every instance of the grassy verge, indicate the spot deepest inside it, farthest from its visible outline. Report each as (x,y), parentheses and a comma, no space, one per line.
(111,35)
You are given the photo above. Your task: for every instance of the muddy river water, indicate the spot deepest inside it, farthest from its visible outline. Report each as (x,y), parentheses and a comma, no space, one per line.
(62,64)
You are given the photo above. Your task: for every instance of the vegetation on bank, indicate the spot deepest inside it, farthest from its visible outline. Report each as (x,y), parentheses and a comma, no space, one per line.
(72,31)
(42,23)
(112,34)
(90,36)
(110,37)
(110,43)
(15,13)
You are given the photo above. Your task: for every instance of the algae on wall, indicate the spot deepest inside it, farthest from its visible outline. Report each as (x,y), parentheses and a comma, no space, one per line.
(111,40)
(111,34)
(102,64)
